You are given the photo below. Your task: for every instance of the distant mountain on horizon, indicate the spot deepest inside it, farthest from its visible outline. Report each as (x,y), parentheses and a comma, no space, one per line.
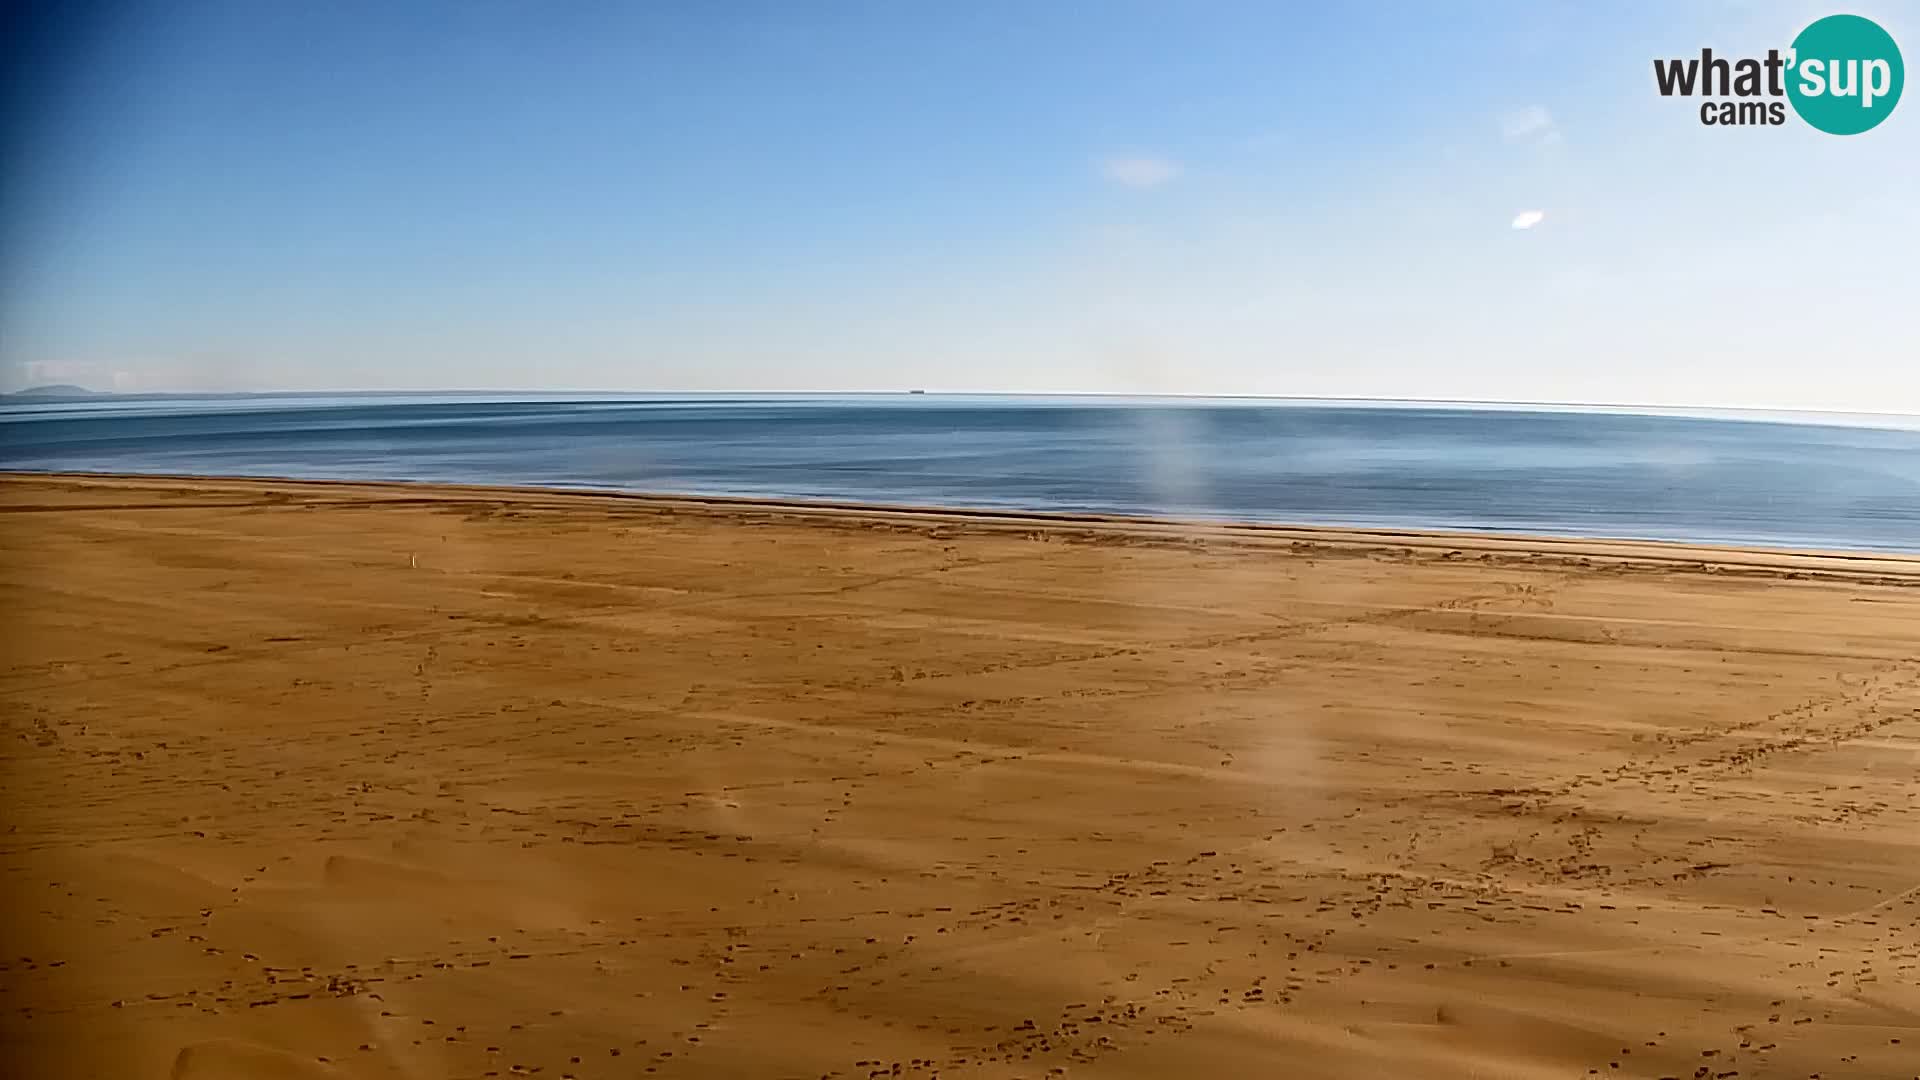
(56,390)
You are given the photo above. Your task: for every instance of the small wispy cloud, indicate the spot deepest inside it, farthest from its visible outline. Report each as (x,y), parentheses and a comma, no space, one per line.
(1527,219)
(33,372)
(1531,124)
(1139,172)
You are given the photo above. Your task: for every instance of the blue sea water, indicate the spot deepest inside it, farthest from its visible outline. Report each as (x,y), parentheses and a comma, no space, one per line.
(1759,480)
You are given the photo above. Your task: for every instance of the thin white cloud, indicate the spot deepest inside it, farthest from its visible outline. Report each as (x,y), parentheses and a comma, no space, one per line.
(36,372)
(1140,172)
(1527,219)
(1532,123)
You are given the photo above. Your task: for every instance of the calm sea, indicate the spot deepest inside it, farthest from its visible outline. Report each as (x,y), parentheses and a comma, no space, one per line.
(1748,480)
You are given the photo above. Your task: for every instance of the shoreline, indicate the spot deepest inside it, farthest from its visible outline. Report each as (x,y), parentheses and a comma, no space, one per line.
(1895,567)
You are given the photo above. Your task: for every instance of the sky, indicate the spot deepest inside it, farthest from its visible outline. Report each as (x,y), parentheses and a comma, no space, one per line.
(1483,201)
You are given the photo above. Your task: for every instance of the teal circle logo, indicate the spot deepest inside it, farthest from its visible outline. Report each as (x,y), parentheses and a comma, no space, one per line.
(1845,74)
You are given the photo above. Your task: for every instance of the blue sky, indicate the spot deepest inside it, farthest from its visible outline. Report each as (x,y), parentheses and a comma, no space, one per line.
(1247,198)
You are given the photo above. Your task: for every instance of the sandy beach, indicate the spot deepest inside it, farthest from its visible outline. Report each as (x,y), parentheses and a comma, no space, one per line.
(316,780)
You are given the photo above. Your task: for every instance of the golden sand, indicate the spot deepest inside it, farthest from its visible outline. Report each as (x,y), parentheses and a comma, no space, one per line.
(311,780)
